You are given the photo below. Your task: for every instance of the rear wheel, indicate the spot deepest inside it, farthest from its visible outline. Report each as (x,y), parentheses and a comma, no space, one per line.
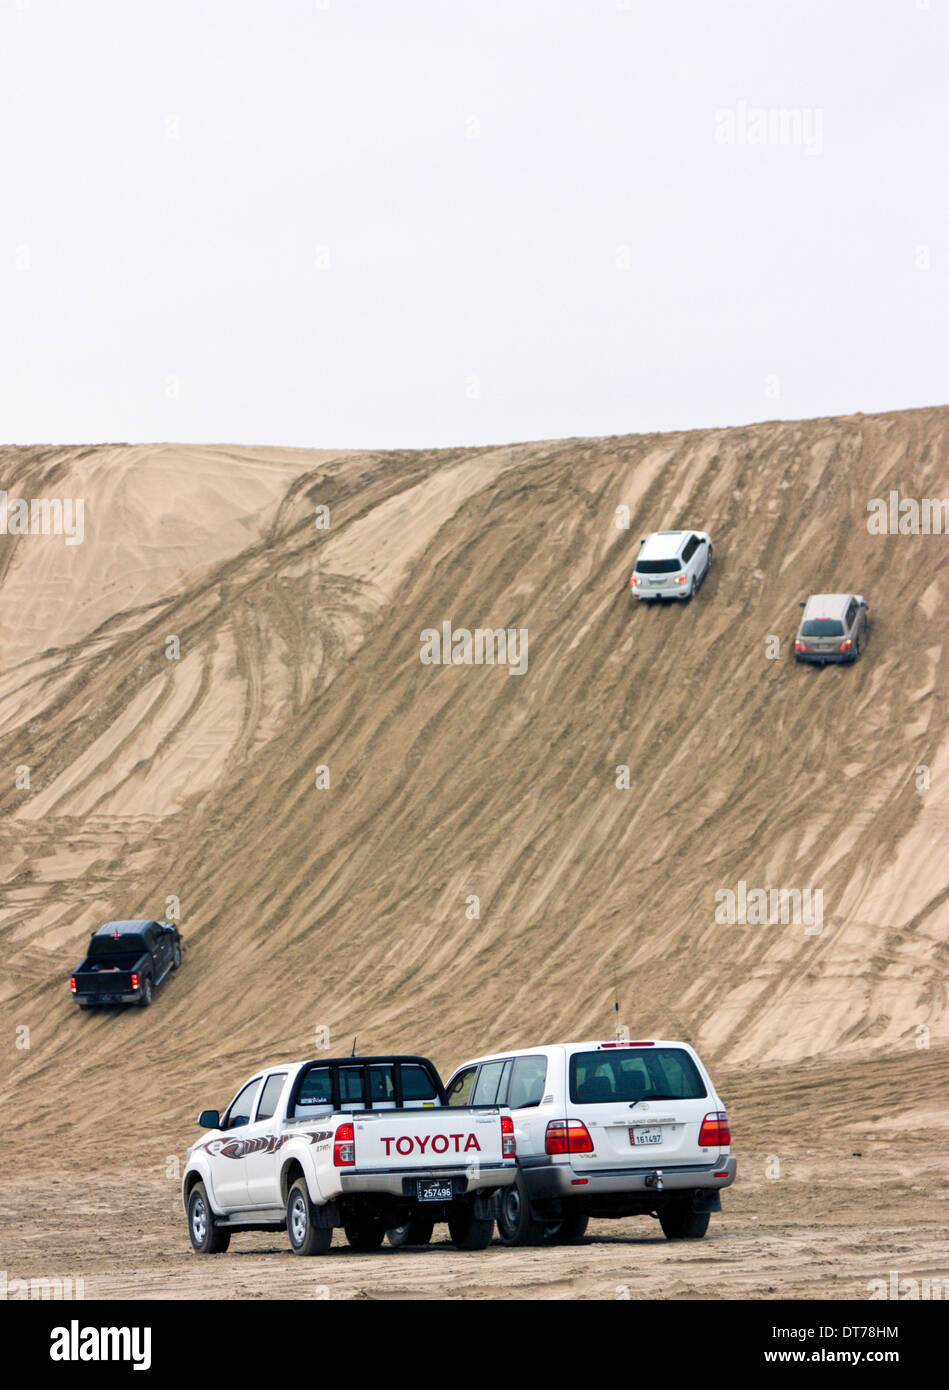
(570,1230)
(516,1225)
(306,1238)
(176,958)
(470,1232)
(365,1235)
(145,998)
(416,1231)
(206,1238)
(680,1222)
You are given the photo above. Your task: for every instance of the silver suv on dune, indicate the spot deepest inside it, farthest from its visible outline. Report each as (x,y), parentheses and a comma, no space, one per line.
(671,564)
(833,628)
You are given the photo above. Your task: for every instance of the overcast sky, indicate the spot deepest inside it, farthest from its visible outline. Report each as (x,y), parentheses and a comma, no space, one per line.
(431,222)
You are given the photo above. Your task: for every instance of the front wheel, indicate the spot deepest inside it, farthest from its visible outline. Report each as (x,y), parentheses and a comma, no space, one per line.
(470,1232)
(680,1222)
(306,1238)
(176,958)
(206,1238)
(416,1231)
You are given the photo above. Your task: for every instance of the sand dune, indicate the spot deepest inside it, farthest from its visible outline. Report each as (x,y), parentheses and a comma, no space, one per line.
(349,906)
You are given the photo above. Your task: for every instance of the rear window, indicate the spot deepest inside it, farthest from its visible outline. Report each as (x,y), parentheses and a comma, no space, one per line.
(657,566)
(117,945)
(634,1073)
(822,627)
(417,1084)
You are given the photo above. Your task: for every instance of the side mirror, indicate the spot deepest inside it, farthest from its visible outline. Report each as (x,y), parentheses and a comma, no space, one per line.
(209,1119)
(803,602)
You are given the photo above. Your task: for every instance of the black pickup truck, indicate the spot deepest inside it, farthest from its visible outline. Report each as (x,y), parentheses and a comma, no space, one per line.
(126,961)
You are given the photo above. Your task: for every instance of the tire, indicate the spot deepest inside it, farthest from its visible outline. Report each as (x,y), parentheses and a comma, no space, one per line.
(176,958)
(516,1226)
(470,1232)
(306,1238)
(146,996)
(366,1235)
(569,1231)
(416,1231)
(680,1222)
(206,1238)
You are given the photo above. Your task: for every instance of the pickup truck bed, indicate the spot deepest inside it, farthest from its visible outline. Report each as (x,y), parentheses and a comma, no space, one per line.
(363,1143)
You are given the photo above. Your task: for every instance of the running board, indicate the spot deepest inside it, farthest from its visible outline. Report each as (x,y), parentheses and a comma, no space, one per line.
(263,1217)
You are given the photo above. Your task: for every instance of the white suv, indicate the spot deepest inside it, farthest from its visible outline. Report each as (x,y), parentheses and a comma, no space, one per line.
(671,564)
(605,1129)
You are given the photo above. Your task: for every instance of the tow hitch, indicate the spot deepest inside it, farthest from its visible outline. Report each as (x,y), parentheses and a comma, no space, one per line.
(655,1180)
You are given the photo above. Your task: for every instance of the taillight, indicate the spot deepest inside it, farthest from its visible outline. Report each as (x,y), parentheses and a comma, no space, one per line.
(634,581)
(800,646)
(508,1142)
(568,1137)
(344,1147)
(679,579)
(715,1132)
(134,980)
(72,983)
(846,644)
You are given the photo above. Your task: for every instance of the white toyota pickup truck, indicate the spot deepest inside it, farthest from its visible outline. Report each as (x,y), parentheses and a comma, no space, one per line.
(365,1143)
(605,1129)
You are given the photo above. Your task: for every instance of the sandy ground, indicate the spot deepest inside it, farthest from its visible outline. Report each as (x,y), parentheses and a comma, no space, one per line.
(836,1190)
(159,785)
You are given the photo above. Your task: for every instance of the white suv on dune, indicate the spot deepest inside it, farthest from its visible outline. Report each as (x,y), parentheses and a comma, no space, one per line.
(671,564)
(605,1129)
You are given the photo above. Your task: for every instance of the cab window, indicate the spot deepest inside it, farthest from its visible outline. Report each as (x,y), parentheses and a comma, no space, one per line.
(528,1078)
(489,1082)
(270,1095)
(460,1088)
(241,1106)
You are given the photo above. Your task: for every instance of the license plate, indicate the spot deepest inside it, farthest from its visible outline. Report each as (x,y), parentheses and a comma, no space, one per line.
(639,1134)
(434,1191)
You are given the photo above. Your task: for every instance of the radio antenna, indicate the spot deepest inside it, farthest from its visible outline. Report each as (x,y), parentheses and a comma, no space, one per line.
(353,1053)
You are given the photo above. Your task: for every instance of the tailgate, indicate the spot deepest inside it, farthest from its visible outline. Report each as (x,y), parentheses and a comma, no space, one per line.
(663,1135)
(445,1137)
(104,981)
